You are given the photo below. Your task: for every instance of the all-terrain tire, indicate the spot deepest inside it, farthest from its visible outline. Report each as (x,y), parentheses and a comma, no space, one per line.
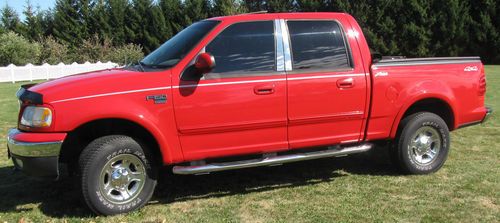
(121,166)
(420,133)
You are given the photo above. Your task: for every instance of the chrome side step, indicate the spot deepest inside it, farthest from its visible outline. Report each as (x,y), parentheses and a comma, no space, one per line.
(270,161)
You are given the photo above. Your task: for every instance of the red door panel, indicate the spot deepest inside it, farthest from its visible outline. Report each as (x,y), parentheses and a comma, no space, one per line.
(231,116)
(323,113)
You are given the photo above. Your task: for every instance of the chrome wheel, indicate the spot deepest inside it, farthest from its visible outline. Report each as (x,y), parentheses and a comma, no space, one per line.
(425,145)
(122,178)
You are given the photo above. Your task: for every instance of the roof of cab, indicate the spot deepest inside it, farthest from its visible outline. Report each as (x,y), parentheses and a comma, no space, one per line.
(263,16)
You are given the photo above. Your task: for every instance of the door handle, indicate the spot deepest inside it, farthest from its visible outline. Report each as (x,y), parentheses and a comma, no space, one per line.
(264,89)
(345,83)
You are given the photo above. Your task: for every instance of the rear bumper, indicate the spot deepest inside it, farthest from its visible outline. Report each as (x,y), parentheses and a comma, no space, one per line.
(35,158)
(489,111)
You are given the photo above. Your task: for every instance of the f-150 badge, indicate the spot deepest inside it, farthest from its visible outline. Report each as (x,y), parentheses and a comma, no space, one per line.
(158,99)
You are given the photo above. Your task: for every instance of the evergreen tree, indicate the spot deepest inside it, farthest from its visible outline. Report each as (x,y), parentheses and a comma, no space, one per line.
(196,10)
(280,5)
(450,31)
(173,14)
(33,23)
(146,25)
(116,11)
(68,24)
(255,5)
(10,20)
(226,7)
(99,20)
(484,30)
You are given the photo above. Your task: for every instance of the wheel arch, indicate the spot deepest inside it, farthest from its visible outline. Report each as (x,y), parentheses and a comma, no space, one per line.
(435,103)
(81,136)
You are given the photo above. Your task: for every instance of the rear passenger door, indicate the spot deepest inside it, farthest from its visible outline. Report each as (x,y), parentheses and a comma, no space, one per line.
(326,89)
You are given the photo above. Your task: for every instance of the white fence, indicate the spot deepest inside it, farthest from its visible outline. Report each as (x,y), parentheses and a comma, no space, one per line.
(30,72)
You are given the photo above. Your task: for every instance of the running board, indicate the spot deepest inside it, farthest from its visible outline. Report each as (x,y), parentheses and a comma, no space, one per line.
(270,161)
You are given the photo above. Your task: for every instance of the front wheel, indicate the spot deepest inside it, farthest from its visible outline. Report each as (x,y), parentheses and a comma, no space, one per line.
(422,144)
(116,175)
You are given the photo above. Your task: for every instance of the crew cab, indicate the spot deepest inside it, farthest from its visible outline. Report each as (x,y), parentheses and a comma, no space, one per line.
(243,91)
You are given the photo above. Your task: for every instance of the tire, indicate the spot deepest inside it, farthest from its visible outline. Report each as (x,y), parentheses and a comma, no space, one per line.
(422,144)
(116,175)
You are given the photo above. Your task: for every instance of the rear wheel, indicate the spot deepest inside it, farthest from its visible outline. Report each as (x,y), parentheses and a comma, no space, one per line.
(422,143)
(116,175)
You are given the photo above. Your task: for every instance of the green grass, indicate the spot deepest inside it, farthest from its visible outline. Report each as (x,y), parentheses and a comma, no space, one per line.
(352,189)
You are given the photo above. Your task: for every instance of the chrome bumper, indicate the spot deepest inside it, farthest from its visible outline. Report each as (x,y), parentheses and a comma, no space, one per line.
(489,111)
(34,158)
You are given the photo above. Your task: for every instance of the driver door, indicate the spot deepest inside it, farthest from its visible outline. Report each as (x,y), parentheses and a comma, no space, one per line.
(240,106)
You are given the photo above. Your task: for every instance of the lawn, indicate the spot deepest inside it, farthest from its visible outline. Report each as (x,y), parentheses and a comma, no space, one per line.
(351,189)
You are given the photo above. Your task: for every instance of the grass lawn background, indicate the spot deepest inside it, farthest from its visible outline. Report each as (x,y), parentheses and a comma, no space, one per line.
(351,189)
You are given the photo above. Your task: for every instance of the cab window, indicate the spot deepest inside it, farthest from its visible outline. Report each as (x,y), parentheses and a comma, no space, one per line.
(318,45)
(243,49)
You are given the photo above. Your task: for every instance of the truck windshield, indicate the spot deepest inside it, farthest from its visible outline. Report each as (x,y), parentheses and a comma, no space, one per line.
(176,48)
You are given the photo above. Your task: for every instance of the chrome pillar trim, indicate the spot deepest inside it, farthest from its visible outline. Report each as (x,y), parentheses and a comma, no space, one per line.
(32,149)
(271,160)
(286,45)
(278,37)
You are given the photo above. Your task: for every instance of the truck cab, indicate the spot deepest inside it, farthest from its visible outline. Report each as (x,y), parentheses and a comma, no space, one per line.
(243,91)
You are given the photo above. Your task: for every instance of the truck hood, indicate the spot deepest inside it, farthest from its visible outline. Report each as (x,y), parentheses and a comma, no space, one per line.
(98,83)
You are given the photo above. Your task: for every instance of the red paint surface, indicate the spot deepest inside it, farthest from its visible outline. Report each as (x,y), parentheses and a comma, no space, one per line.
(233,116)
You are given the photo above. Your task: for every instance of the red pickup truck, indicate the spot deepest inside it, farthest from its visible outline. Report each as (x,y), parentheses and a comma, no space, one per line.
(243,91)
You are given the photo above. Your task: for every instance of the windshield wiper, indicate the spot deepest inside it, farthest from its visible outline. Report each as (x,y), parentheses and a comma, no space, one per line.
(140,65)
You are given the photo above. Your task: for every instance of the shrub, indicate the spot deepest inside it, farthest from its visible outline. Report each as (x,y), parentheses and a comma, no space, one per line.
(125,54)
(17,50)
(54,52)
(92,50)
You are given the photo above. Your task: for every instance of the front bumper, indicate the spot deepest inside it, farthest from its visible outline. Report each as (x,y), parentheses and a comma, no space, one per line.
(36,158)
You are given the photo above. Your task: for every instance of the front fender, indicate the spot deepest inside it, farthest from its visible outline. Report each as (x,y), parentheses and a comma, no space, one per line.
(157,119)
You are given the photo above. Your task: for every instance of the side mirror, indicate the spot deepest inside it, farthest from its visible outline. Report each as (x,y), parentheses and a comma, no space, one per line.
(204,63)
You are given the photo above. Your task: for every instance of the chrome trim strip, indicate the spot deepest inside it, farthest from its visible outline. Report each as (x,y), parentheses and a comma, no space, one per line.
(269,161)
(427,61)
(269,80)
(32,149)
(112,93)
(286,45)
(278,38)
(326,76)
(229,82)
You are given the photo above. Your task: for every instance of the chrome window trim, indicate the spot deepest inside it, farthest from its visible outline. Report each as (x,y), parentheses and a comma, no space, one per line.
(278,38)
(286,45)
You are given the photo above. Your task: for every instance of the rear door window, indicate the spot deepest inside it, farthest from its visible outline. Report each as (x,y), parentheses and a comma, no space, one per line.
(318,46)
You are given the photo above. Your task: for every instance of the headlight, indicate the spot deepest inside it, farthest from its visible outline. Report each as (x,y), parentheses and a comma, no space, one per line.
(37,117)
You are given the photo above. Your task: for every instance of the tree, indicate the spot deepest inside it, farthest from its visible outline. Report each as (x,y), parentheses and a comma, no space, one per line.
(99,20)
(226,7)
(484,30)
(196,10)
(10,20)
(33,23)
(117,11)
(146,25)
(173,12)
(68,25)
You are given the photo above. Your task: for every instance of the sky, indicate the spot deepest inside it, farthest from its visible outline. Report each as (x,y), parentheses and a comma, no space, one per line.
(19,5)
